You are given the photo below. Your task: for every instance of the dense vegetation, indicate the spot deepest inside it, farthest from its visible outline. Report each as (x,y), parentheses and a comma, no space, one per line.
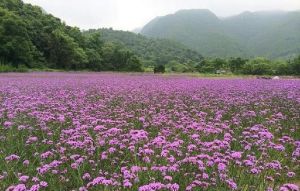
(31,38)
(257,66)
(151,51)
(266,34)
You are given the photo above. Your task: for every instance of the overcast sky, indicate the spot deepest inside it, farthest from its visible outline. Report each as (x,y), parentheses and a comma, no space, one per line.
(130,14)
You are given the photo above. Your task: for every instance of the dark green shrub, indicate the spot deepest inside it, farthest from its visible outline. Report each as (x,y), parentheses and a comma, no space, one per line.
(159,69)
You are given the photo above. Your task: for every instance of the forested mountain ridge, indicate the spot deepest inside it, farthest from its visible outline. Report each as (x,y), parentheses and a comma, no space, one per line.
(151,51)
(273,34)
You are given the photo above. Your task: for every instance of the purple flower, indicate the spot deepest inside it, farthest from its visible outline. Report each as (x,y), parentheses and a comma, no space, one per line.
(173,187)
(35,187)
(12,157)
(26,162)
(83,189)
(86,176)
(236,155)
(20,187)
(289,187)
(221,167)
(43,184)
(7,124)
(291,174)
(168,178)
(231,184)
(127,184)
(23,178)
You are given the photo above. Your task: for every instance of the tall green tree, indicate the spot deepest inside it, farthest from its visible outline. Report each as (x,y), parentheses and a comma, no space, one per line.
(219,63)
(66,53)
(236,64)
(295,66)
(15,44)
(258,66)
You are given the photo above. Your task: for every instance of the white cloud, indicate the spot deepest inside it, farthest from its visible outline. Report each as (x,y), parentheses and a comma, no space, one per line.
(129,14)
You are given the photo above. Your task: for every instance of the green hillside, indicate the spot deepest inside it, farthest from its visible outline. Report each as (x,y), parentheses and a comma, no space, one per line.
(31,38)
(271,34)
(151,51)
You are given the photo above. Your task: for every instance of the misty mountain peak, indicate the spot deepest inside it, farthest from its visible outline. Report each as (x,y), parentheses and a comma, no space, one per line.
(265,33)
(195,11)
(200,13)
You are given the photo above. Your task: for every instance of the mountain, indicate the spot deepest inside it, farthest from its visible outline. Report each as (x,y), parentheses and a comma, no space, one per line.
(273,34)
(151,51)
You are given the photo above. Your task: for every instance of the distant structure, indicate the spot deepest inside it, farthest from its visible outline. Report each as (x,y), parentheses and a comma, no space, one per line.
(268,78)
(221,72)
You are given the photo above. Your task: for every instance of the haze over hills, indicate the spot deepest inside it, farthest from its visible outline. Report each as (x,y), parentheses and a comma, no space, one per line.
(272,34)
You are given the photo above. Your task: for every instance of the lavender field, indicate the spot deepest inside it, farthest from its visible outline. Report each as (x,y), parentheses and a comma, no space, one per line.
(148,132)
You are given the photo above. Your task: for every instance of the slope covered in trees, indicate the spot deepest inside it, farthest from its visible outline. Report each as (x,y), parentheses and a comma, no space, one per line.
(150,50)
(268,34)
(32,38)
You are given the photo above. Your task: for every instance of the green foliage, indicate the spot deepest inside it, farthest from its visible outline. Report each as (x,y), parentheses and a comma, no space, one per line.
(211,66)
(268,34)
(15,44)
(236,64)
(120,58)
(295,66)
(175,66)
(219,64)
(258,66)
(281,67)
(151,51)
(66,53)
(159,69)
(10,68)
(6,68)
(93,49)
(207,69)
(133,64)
(31,37)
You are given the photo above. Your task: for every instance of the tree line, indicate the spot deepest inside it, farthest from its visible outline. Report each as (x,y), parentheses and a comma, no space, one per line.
(254,66)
